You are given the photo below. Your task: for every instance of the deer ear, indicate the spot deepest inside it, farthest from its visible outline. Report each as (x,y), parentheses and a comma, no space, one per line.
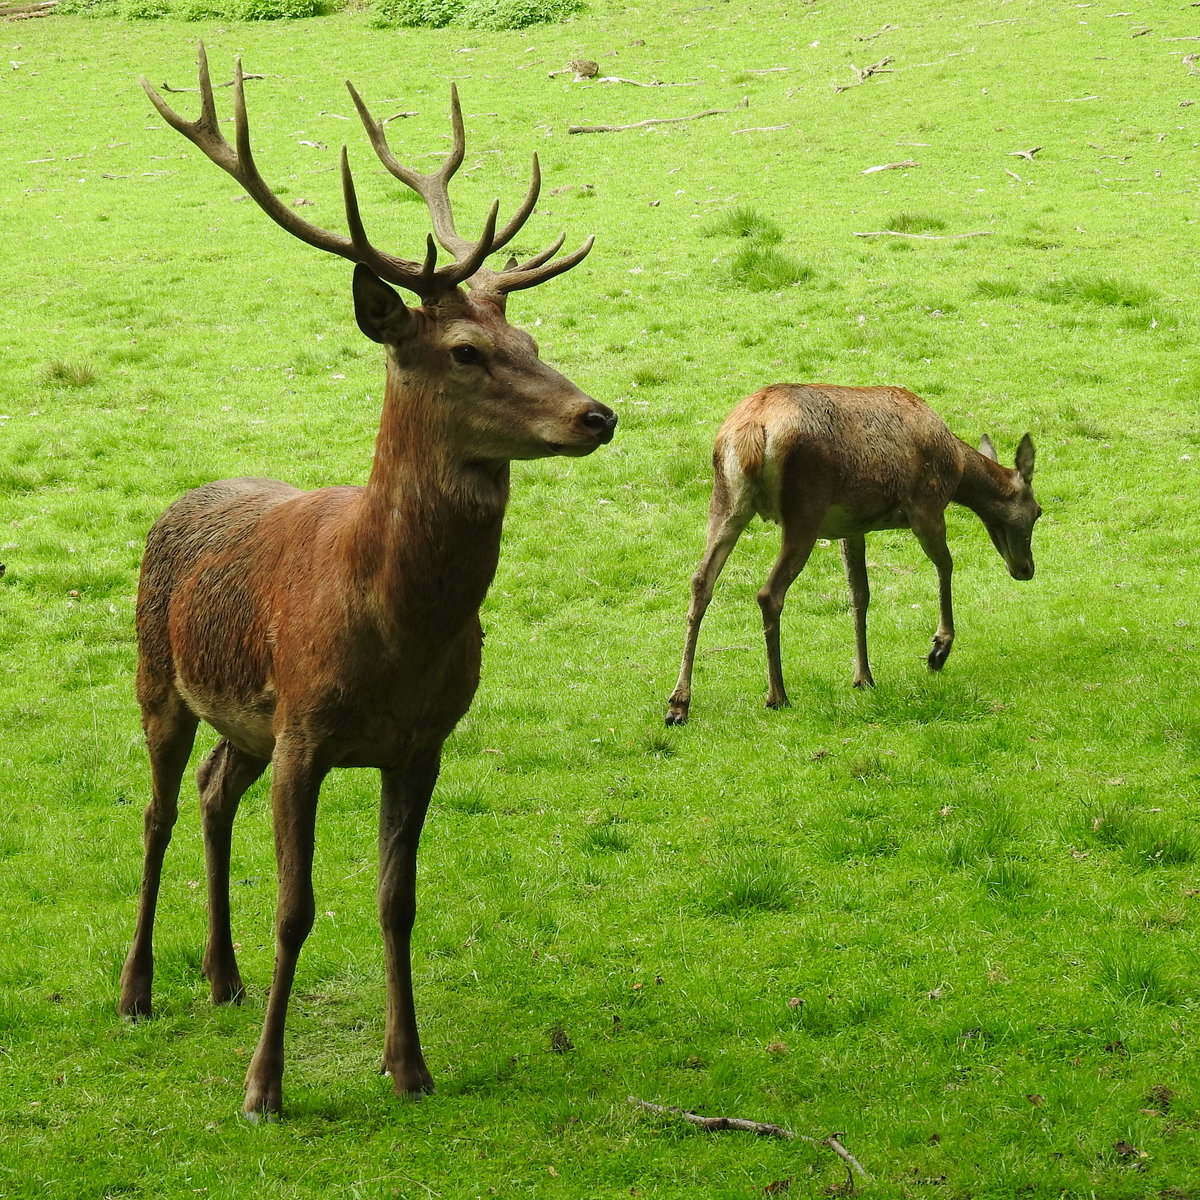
(987,449)
(1025,458)
(380,312)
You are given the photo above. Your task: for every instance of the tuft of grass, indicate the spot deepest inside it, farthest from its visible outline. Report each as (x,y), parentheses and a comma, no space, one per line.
(61,373)
(910,222)
(767,269)
(998,289)
(1137,974)
(745,222)
(1009,878)
(1145,839)
(650,377)
(751,879)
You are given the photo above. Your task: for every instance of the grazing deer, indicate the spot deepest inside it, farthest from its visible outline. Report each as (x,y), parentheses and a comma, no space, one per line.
(340,627)
(840,462)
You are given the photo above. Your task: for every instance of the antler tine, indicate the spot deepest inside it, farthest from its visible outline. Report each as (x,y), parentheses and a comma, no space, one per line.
(543,256)
(515,279)
(206,134)
(522,214)
(433,188)
(419,279)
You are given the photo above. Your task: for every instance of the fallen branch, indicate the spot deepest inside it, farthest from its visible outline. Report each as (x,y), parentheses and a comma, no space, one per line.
(870,37)
(762,129)
(862,74)
(708,112)
(41,8)
(897,166)
(639,83)
(739,1124)
(929,237)
(166,87)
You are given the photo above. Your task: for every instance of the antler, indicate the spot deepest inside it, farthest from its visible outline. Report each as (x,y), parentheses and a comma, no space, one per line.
(434,190)
(426,279)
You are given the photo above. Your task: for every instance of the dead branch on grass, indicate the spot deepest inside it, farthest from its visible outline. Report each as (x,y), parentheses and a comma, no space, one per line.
(639,83)
(896,166)
(708,112)
(762,1128)
(862,74)
(926,237)
(24,12)
(166,87)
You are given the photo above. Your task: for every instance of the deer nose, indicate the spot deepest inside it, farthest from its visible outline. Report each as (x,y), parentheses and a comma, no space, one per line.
(600,421)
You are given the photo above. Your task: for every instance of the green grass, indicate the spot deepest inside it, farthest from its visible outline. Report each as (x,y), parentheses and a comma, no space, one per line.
(955,919)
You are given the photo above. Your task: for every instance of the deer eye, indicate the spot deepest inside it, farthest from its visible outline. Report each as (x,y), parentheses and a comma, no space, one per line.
(466,354)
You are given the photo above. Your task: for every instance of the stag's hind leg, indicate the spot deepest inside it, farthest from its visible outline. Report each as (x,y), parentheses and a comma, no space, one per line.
(170,731)
(223,777)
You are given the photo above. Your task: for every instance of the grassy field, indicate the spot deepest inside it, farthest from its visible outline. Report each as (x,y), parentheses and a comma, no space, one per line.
(955,920)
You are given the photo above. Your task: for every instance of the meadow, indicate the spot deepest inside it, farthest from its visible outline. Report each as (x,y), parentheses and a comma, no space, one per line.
(954,919)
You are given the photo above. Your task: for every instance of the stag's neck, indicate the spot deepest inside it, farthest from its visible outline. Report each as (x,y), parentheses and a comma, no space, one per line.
(427,534)
(984,485)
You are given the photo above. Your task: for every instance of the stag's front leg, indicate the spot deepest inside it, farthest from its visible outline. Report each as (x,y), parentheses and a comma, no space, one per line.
(223,777)
(405,799)
(797,546)
(294,788)
(854,558)
(930,529)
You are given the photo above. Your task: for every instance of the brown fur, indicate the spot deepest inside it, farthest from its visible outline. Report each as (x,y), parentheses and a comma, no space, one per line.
(340,627)
(825,461)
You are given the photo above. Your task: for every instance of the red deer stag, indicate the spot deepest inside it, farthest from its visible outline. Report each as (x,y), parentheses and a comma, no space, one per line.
(340,627)
(840,462)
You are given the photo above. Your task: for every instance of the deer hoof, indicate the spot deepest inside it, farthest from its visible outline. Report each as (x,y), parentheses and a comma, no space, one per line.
(676,715)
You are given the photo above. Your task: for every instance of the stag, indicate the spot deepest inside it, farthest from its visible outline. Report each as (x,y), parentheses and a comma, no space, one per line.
(841,462)
(340,627)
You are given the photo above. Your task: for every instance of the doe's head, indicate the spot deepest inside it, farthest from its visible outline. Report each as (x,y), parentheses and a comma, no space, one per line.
(1010,524)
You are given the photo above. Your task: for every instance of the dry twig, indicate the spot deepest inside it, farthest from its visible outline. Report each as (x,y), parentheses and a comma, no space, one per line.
(166,87)
(862,74)
(639,83)
(38,9)
(927,237)
(896,166)
(708,112)
(739,1124)
(1024,153)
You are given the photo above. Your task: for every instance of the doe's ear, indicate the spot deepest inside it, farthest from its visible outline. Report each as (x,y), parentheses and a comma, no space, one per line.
(987,449)
(1025,458)
(380,312)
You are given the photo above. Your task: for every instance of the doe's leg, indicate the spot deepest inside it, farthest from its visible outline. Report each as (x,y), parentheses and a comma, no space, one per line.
(405,799)
(223,777)
(930,529)
(170,731)
(854,558)
(724,529)
(294,788)
(793,554)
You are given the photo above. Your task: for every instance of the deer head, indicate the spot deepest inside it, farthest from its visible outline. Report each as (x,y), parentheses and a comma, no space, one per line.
(492,395)
(1010,521)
